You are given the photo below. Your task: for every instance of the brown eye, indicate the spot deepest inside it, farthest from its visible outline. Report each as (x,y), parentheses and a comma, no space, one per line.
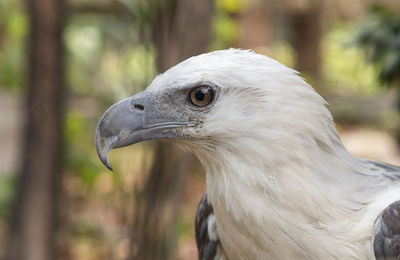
(201,96)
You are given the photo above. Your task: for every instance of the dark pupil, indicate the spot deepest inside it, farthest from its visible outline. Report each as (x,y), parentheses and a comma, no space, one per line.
(200,95)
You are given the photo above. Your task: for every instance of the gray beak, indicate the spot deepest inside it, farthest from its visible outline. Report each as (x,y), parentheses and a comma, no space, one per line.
(114,127)
(135,119)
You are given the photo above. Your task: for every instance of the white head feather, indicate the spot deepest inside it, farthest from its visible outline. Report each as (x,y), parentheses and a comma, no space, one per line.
(281,182)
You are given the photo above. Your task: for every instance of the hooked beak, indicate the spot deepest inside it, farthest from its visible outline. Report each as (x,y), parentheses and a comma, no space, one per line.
(133,120)
(110,129)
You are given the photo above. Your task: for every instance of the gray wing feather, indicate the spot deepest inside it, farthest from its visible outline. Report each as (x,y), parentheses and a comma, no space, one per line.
(388,171)
(387,233)
(208,244)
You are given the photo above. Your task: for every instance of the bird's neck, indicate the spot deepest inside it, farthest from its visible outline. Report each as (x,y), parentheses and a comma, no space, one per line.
(278,171)
(306,183)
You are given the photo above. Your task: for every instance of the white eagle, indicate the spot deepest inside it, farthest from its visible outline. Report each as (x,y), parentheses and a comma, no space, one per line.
(280,183)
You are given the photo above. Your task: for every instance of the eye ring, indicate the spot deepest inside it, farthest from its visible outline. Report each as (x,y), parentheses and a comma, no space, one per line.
(202,95)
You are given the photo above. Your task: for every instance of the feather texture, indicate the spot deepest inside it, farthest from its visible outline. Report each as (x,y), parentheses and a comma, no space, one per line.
(280,181)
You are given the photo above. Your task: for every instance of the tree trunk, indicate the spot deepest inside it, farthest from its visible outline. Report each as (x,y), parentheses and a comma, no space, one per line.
(181,30)
(33,224)
(307,40)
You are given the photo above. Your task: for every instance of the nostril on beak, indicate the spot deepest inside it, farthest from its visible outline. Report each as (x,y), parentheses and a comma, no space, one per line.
(138,107)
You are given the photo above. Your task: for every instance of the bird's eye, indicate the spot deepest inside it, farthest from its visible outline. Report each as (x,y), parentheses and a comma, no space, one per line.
(201,96)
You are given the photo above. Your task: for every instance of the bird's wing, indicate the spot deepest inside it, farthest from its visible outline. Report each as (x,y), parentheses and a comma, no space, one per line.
(387,225)
(387,171)
(207,239)
(387,233)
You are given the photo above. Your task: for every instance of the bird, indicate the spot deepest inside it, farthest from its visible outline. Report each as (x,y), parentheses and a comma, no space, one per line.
(280,183)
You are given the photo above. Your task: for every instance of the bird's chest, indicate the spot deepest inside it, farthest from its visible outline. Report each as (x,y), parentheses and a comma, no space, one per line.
(252,238)
(253,233)
(237,242)
(253,222)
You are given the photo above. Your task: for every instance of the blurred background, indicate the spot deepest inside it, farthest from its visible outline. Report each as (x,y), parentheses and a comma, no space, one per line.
(64,62)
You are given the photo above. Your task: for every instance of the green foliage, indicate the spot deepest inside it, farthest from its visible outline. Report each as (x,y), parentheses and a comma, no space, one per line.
(74,126)
(106,59)
(231,6)
(81,164)
(13,30)
(379,36)
(81,159)
(86,231)
(344,67)
(226,28)
(7,190)
(283,52)
(83,42)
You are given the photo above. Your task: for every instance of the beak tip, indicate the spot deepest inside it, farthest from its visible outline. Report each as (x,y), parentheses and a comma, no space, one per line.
(108,165)
(106,161)
(103,147)
(104,158)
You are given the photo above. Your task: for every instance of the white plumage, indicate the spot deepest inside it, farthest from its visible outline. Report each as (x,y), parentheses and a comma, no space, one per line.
(280,181)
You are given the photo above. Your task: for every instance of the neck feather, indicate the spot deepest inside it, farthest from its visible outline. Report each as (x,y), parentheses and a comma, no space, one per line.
(259,186)
(277,170)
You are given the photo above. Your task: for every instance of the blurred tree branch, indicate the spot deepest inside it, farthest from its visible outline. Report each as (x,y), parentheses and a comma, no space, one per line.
(33,224)
(378,110)
(307,34)
(180,29)
(379,37)
(113,7)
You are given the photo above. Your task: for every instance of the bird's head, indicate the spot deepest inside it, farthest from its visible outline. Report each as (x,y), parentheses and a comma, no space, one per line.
(232,98)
